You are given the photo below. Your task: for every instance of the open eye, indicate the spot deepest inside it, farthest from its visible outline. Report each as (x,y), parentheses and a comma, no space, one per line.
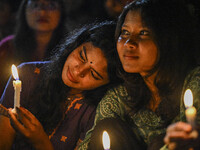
(53,5)
(33,4)
(144,32)
(124,32)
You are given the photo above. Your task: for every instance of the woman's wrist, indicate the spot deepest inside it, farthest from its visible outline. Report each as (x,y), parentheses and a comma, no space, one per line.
(44,144)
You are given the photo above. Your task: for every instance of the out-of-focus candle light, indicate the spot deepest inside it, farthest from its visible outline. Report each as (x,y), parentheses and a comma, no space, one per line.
(106,141)
(190,111)
(17,87)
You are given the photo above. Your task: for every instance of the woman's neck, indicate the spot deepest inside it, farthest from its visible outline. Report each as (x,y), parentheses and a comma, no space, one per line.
(75,92)
(155,99)
(42,39)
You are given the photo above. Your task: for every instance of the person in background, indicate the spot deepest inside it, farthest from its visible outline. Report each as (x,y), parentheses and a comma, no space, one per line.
(81,12)
(7,18)
(156,43)
(40,27)
(62,93)
(115,7)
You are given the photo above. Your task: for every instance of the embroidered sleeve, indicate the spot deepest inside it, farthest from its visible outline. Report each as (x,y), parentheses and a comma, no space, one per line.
(192,82)
(108,107)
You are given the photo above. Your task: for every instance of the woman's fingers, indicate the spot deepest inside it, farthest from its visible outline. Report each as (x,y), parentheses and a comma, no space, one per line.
(27,124)
(26,113)
(172,146)
(178,130)
(180,126)
(178,136)
(26,117)
(15,123)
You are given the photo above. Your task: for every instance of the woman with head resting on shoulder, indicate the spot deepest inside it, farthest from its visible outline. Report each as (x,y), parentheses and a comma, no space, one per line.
(156,43)
(40,26)
(59,97)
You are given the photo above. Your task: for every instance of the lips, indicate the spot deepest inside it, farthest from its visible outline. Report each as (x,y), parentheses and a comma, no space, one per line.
(42,20)
(130,57)
(70,76)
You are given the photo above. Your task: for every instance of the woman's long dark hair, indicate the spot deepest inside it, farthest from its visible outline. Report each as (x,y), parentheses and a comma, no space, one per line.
(53,92)
(25,41)
(175,35)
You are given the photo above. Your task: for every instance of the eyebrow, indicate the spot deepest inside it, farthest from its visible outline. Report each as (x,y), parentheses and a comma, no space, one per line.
(84,50)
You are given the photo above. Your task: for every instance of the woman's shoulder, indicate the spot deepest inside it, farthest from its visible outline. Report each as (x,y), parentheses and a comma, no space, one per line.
(118,91)
(196,70)
(115,96)
(112,104)
(7,39)
(193,74)
(6,46)
(27,69)
(192,82)
(7,42)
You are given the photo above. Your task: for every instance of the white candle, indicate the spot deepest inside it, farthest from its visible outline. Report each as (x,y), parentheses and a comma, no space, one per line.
(106,141)
(190,111)
(17,87)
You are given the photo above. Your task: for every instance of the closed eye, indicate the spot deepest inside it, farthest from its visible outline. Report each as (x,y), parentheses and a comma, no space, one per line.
(83,55)
(94,76)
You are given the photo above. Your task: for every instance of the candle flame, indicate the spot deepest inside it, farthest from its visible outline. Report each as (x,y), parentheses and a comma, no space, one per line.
(14,72)
(188,98)
(106,140)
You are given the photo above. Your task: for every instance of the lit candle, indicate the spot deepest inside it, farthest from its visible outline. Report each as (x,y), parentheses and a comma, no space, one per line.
(106,141)
(17,86)
(190,111)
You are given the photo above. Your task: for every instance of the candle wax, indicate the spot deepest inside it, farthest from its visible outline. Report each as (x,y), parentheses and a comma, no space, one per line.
(191,115)
(17,88)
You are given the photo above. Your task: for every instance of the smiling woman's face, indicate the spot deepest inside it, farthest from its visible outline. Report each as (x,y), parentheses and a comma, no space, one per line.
(136,47)
(85,68)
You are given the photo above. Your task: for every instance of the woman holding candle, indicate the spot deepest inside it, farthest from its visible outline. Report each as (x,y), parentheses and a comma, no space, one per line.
(40,27)
(156,43)
(62,94)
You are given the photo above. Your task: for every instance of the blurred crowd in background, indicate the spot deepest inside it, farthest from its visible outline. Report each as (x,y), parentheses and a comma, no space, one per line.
(78,12)
(21,39)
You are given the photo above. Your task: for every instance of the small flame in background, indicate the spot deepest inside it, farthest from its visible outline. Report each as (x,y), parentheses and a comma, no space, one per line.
(188,98)
(106,140)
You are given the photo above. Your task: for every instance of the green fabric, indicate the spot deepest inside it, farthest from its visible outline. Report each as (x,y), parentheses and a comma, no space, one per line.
(145,123)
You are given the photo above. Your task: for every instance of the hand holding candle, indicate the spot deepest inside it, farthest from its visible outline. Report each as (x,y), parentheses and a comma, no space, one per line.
(106,141)
(190,111)
(17,87)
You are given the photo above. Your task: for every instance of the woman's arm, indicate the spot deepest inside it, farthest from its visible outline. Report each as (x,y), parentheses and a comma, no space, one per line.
(29,80)
(180,134)
(7,133)
(28,125)
(108,107)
